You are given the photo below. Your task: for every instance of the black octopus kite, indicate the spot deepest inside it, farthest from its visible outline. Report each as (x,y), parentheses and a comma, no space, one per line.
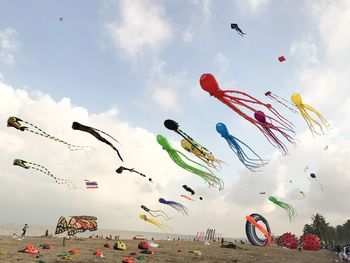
(94,132)
(239,31)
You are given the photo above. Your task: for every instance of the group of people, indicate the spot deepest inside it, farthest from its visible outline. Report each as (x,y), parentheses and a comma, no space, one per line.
(102,237)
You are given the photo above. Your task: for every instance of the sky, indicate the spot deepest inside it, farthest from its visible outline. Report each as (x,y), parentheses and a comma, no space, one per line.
(126,66)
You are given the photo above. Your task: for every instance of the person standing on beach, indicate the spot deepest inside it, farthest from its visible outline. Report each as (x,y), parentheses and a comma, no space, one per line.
(25,230)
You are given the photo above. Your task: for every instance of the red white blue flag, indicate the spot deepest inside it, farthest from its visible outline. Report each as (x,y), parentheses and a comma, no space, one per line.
(91,184)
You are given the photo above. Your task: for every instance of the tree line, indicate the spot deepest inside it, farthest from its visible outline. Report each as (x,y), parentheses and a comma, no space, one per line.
(328,234)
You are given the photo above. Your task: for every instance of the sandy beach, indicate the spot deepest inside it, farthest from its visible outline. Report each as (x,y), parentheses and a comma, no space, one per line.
(168,251)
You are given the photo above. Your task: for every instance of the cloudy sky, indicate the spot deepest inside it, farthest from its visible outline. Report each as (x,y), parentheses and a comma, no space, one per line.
(126,66)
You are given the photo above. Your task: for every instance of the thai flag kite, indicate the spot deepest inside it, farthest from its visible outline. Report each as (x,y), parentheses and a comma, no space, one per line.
(90,184)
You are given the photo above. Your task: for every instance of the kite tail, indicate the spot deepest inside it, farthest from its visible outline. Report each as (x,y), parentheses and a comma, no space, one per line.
(46,135)
(259,158)
(311,122)
(320,184)
(319,115)
(289,209)
(210,178)
(253,100)
(278,99)
(44,170)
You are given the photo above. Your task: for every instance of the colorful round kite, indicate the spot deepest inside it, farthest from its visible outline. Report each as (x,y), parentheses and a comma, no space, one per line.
(252,224)
(288,240)
(311,242)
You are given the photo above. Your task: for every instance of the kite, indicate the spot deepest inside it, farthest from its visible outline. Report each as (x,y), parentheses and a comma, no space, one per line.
(282,101)
(290,209)
(155,211)
(262,193)
(40,168)
(154,221)
(312,123)
(302,193)
(179,207)
(187,197)
(61,18)
(188,189)
(239,31)
(16,123)
(95,132)
(200,151)
(265,123)
(325,148)
(210,178)
(251,163)
(122,168)
(206,157)
(200,198)
(312,175)
(281,59)
(76,224)
(251,224)
(271,137)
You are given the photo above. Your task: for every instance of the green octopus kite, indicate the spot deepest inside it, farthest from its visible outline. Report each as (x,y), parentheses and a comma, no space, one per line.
(290,209)
(175,155)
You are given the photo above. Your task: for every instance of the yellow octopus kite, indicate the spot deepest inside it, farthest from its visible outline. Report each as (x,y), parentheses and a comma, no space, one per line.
(296,99)
(154,221)
(205,156)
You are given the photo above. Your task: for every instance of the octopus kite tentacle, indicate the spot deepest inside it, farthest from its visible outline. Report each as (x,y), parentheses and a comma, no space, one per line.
(179,207)
(29,165)
(94,132)
(15,123)
(164,215)
(270,136)
(311,123)
(251,163)
(154,221)
(210,85)
(194,147)
(290,209)
(280,100)
(209,177)
(207,157)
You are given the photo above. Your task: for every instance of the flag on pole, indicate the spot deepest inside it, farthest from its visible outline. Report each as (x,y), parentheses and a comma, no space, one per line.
(91,184)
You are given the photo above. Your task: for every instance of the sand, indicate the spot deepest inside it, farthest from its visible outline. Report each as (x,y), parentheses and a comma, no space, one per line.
(168,251)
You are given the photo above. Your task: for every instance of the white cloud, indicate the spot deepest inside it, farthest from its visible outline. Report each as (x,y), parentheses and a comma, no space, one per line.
(205,8)
(142,28)
(221,62)
(120,196)
(8,46)
(255,6)
(332,19)
(165,97)
(187,35)
(165,88)
(305,50)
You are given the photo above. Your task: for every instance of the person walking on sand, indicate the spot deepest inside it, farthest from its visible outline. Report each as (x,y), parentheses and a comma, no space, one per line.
(24,230)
